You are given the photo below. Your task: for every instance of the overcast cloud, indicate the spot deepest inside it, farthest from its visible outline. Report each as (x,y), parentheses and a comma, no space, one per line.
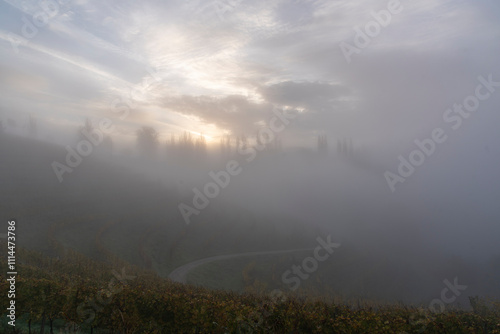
(221,65)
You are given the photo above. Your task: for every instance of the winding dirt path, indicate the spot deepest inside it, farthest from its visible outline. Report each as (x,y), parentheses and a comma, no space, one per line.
(179,274)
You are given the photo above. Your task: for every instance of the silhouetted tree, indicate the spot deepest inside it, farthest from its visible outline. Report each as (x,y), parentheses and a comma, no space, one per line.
(147,141)
(241,142)
(186,148)
(269,145)
(322,145)
(101,143)
(32,126)
(225,146)
(345,147)
(87,126)
(186,143)
(200,148)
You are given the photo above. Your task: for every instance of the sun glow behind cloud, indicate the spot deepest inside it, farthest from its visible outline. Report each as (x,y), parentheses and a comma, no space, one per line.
(191,68)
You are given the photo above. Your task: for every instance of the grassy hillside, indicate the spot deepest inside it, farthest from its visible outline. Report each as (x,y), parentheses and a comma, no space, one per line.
(75,294)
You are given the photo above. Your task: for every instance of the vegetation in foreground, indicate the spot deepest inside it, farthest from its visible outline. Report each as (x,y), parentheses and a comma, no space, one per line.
(74,294)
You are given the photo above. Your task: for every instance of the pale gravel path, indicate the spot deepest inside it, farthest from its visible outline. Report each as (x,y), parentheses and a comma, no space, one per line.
(179,274)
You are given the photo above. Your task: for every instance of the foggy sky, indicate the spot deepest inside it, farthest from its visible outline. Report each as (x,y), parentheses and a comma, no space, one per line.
(219,67)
